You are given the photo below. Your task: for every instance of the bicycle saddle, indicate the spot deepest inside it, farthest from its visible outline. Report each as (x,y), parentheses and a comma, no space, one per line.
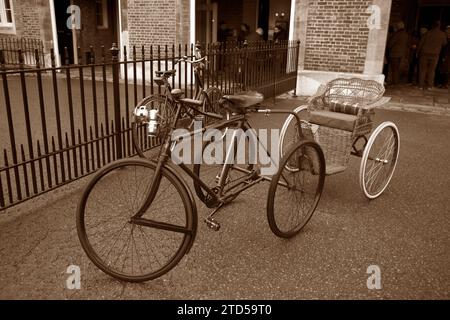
(167,73)
(242,102)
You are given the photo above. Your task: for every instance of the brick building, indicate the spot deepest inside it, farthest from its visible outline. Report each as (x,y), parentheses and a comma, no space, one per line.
(338,37)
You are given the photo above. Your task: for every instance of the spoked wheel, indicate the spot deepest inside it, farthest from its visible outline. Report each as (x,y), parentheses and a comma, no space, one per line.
(166,112)
(212,104)
(133,249)
(379,159)
(295,189)
(210,172)
(289,131)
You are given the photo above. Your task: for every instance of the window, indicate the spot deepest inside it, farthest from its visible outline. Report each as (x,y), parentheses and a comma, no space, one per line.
(101,12)
(6,14)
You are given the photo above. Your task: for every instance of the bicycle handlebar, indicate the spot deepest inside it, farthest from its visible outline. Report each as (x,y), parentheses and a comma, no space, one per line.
(185,59)
(168,73)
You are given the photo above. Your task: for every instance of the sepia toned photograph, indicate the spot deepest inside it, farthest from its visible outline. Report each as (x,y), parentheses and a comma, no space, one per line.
(240,152)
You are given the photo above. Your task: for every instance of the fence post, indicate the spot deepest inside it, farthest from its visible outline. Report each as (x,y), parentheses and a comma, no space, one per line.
(116,90)
(21,60)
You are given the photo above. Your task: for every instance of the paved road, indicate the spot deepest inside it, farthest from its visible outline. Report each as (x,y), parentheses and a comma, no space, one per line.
(405,233)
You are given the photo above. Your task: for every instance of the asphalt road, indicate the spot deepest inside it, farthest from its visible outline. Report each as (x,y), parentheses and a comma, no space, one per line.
(405,232)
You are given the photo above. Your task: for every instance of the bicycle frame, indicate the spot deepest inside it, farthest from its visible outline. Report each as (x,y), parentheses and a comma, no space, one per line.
(240,122)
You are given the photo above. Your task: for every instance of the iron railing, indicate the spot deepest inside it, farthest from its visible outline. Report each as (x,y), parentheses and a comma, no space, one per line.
(17,51)
(59,124)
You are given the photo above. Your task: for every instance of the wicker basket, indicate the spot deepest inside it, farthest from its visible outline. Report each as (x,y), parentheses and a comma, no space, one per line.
(336,145)
(310,131)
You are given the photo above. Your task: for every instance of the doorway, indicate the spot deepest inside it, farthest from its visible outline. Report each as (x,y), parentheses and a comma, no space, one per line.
(64,34)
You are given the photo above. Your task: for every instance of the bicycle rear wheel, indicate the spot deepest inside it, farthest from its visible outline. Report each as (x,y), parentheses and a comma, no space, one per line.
(379,159)
(129,249)
(295,189)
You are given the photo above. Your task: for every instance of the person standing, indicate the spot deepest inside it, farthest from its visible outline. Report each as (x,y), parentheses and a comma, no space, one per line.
(445,62)
(256,36)
(243,33)
(279,34)
(413,74)
(429,49)
(223,33)
(398,51)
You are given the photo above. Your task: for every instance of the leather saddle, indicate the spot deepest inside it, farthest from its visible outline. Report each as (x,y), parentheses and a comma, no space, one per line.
(244,102)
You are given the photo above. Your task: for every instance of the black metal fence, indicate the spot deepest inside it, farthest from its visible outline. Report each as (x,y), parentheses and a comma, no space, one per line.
(59,124)
(21,51)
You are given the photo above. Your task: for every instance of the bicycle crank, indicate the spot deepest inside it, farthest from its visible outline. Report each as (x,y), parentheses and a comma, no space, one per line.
(212,223)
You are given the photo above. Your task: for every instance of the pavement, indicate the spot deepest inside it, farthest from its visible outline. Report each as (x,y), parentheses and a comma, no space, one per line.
(411,98)
(405,233)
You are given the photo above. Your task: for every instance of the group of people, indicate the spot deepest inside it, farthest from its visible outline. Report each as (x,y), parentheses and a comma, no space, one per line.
(246,34)
(425,56)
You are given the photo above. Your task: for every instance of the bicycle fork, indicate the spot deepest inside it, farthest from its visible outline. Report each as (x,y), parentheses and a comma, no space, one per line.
(164,156)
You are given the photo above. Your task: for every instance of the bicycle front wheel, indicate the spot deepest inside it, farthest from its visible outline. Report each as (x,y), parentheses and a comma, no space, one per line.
(142,141)
(289,135)
(295,189)
(129,249)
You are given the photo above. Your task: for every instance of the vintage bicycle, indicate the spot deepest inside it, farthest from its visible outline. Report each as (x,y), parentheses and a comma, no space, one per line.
(137,217)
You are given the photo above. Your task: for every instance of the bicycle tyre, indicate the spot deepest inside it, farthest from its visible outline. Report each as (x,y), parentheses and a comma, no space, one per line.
(100,195)
(379,159)
(309,160)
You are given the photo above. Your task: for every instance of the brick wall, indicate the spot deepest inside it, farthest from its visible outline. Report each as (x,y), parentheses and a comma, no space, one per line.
(90,34)
(336,35)
(151,22)
(27,19)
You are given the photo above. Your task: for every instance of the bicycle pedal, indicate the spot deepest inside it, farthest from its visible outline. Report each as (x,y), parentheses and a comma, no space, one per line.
(212,224)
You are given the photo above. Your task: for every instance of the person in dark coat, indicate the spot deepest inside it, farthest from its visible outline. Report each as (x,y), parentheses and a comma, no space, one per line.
(413,74)
(398,50)
(444,68)
(256,36)
(223,33)
(429,49)
(243,33)
(279,34)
